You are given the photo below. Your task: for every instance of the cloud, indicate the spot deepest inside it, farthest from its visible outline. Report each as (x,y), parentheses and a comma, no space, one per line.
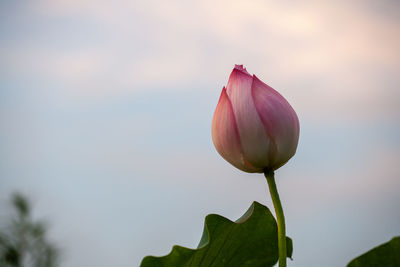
(342,54)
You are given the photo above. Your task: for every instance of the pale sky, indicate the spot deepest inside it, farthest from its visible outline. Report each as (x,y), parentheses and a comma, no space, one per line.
(105,118)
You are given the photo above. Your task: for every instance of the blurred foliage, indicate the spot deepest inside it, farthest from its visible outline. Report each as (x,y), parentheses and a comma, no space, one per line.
(23,241)
(387,255)
(250,241)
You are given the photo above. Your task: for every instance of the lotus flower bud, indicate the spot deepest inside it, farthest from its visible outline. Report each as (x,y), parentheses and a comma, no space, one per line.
(254,128)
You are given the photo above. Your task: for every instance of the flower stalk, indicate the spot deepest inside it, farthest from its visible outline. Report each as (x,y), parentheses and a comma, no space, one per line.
(279,216)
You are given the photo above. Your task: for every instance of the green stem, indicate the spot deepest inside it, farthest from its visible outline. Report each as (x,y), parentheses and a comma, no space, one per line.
(279,217)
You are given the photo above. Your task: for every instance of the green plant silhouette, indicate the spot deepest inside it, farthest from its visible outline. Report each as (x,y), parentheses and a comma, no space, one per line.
(23,241)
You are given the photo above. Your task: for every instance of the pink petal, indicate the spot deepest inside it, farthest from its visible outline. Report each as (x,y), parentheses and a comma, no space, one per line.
(255,143)
(225,135)
(279,119)
(242,69)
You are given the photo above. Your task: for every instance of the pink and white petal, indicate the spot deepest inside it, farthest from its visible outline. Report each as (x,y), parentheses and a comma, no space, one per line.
(255,142)
(279,119)
(242,69)
(226,137)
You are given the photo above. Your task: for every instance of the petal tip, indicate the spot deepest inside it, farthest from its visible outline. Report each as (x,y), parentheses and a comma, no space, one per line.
(222,95)
(241,68)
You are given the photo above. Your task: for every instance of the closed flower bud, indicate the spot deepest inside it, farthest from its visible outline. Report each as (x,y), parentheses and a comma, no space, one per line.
(254,128)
